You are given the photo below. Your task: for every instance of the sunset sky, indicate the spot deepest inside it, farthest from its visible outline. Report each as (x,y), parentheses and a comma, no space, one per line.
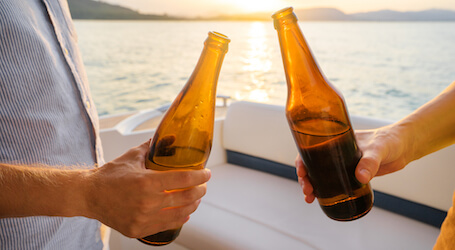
(193,8)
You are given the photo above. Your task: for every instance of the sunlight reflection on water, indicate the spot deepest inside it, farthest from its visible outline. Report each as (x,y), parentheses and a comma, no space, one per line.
(385,70)
(257,63)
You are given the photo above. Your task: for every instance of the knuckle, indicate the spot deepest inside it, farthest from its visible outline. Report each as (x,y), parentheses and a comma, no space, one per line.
(193,194)
(203,190)
(179,213)
(185,177)
(370,162)
(143,183)
(143,207)
(150,183)
(189,196)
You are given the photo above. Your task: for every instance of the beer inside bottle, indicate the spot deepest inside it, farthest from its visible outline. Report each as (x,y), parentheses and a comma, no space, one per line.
(331,160)
(183,139)
(320,124)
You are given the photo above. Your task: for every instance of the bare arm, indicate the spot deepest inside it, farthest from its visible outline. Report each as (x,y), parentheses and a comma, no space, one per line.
(391,148)
(122,194)
(426,130)
(40,190)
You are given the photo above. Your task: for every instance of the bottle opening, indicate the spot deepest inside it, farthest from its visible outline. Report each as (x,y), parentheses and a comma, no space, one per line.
(219,37)
(218,40)
(283,12)
(284,16)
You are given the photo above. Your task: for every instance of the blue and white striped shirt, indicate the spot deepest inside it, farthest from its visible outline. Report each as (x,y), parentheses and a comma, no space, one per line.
(46,114)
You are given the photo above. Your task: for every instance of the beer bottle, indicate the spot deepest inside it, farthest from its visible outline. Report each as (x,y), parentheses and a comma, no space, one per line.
(320,124)
(183,139)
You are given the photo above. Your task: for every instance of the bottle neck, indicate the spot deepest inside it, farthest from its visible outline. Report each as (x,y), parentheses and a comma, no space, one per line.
(310,95)
(199,93)
(205,75)
(186,130)
(298,60)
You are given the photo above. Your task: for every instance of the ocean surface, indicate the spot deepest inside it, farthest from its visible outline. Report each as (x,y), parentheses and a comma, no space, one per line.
(384,69)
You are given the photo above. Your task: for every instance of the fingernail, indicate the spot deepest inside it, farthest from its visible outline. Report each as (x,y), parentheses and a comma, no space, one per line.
(366,174)
(209,172)
(300,182)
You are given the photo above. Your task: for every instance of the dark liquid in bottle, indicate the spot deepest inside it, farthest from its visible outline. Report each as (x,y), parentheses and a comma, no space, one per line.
(331,162)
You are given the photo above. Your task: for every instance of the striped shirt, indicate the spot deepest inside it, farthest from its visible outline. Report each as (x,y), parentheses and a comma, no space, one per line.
(46,114)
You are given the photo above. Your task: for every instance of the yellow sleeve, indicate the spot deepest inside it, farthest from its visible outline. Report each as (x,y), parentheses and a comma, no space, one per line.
(446,239)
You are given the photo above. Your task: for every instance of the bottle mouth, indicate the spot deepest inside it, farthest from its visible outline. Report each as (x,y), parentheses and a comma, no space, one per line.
(282,13)
(218,40)
(283,17)
(219,37)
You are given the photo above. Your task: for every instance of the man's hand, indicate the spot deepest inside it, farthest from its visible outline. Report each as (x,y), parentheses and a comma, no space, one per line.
(138,202)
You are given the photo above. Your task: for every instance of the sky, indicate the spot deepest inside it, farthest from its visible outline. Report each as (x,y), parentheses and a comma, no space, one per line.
(193,8)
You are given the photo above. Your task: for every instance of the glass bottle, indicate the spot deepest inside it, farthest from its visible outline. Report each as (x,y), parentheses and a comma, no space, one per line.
(319,121)
(183,139)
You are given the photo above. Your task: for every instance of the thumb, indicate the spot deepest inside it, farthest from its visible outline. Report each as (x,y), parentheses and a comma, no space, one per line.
(367,167)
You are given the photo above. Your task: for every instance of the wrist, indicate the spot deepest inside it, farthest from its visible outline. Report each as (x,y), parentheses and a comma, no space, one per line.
(85,194)
(77,187)
(407,132)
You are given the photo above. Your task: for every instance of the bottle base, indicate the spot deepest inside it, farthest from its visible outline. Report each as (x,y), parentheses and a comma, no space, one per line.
(349,209)
(161,238)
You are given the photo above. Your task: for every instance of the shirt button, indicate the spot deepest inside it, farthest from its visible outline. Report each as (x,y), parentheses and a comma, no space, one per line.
(66,51)
(87,104)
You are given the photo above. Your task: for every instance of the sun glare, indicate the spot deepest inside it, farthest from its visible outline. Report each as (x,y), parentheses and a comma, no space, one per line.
(256,64)
(256,5)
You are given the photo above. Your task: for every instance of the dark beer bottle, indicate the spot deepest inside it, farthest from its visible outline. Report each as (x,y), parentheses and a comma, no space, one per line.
(320,124)
(183,139)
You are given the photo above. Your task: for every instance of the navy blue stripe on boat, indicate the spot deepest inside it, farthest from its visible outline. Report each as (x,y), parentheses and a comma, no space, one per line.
(413,210)
(261,164)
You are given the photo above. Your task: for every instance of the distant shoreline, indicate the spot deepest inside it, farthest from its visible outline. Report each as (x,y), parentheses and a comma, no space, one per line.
(95,10)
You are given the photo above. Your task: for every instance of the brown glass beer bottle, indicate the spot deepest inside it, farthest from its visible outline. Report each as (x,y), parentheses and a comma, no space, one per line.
(320,124)
(183,139)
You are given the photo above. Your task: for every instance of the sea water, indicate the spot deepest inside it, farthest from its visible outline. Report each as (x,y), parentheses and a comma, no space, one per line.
(384,69)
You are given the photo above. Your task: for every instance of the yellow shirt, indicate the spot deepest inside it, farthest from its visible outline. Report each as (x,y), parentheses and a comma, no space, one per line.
(446,239)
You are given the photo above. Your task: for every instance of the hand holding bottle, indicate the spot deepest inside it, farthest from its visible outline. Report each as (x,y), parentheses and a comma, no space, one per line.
(136,201)
(391,148)
(384,152)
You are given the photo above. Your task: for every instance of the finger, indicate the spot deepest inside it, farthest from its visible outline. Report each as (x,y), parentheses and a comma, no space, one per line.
(169,219)
(310,198)
(300,167)
(307,187)
(143,148)
(163,146)
(134,157)
(181,179)
(183,197)
(367,167)
(300,180)
(166,141)
(175,217)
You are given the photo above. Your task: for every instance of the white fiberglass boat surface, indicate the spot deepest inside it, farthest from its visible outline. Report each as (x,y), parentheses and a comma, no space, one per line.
(254,201)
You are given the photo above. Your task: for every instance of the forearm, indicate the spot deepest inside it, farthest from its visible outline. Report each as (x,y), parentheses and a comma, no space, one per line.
(432,126)
(35,191)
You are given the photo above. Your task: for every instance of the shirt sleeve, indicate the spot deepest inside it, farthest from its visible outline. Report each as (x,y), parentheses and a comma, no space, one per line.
(446,239)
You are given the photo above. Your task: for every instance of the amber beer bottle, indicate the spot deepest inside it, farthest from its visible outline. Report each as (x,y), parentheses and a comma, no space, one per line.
(320,124)
(183,139)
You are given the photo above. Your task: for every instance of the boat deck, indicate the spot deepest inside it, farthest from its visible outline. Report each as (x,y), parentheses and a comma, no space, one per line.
(107,122)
